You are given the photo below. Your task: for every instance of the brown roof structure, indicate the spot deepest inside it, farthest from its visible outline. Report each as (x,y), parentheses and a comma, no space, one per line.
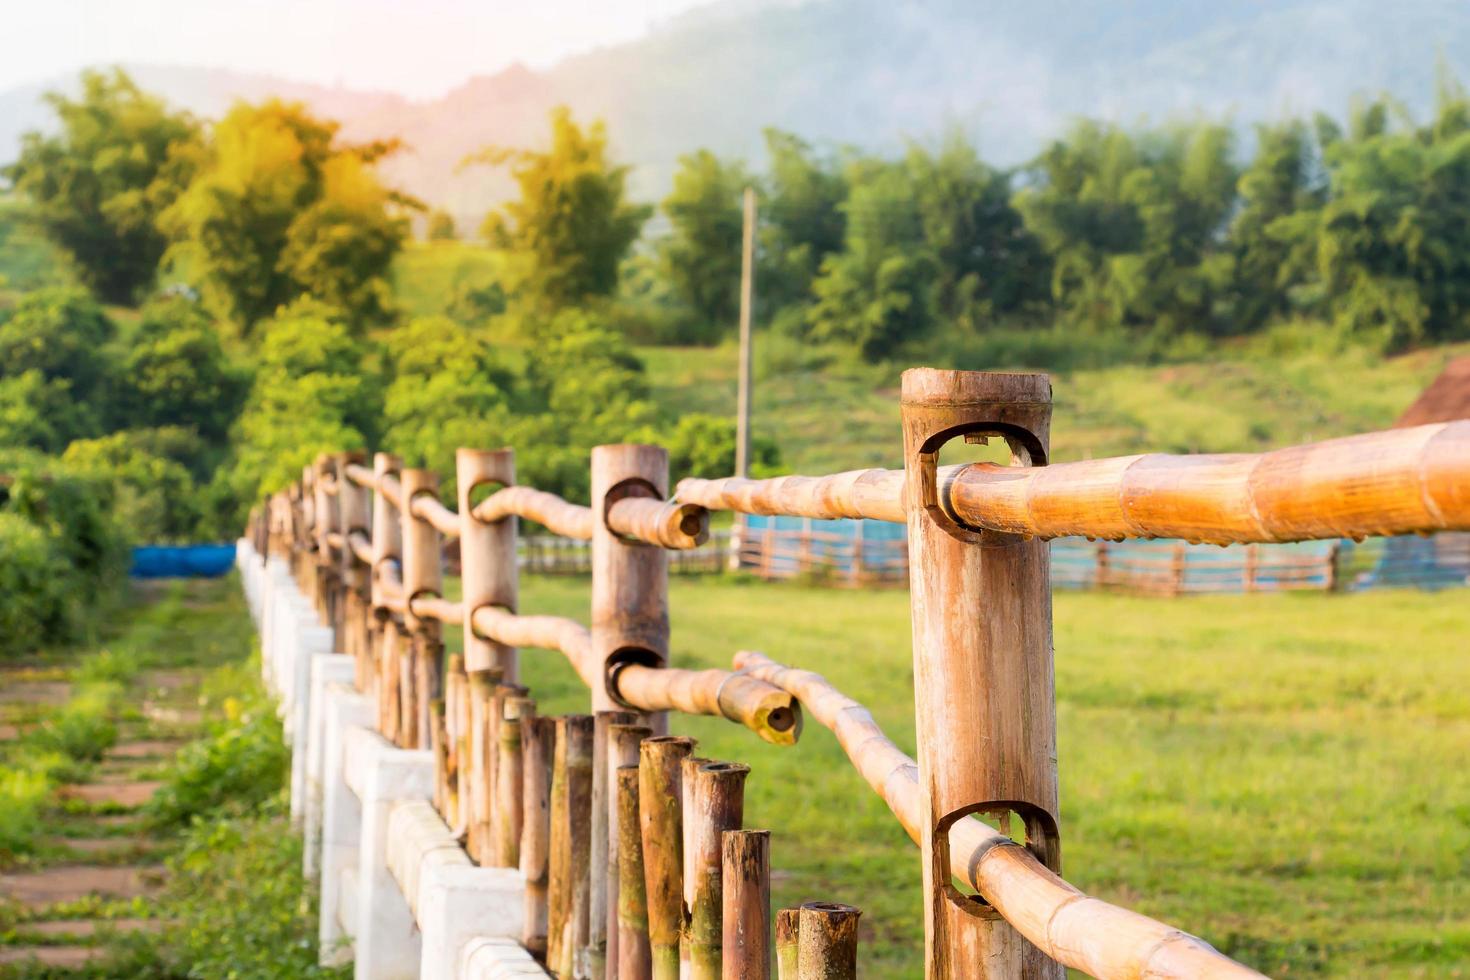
(1447,398)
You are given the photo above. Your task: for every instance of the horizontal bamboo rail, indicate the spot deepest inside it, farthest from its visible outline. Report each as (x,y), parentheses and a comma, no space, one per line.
(1383,483)
(1069,926)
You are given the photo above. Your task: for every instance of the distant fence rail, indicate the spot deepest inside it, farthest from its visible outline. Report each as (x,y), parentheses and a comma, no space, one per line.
(560,796)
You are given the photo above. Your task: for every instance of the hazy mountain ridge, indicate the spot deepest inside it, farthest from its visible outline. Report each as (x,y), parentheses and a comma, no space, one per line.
(874,72)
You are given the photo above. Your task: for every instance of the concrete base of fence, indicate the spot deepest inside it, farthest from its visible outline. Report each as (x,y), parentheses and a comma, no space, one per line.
(399,897)
(341,831)
(326,669)
(452,900)
(497,959)
(386,942)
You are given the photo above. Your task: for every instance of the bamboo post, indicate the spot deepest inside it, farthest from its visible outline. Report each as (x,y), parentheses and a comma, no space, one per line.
(827,944)
(788,935)
(633,957)
(409,695)
(324,524)
(661,825)
(487,556)
(422,578)
(509,782)
(746,890)
(688,766)
(983,684)
(437,747)
(387,542)
(354,505)
(571,801)
(538,748)
(597,931)
(388,686)
(621,750)
(483,788)
(630,581)
(719,805)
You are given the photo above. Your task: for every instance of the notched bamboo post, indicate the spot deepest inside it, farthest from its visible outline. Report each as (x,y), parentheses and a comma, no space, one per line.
(633,957)
(661,824)
(719,805)
(538,748)
(487,556)
(827,942)
(788,936)
(630,580)
(746,866)
(597,932)
(387,547)
(983,685)
(354,516)
(422,578)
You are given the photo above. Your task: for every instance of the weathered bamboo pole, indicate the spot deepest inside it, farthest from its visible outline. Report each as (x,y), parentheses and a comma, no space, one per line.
(509,782)
(422,578)
(788,942)
(661,820)
(437,742)
(487,556)
(409,695)
(428,678)
(571,802)
(630,581)
(827,944)
(538,748)
(746,865)
(1380,483)
(633,956)
(985,706)
(597,933)
(387,531)
(483,787)
(621,750)
(388,689)
(1071,927)
(652,521)
(354,505)
(688,766)
(719,805)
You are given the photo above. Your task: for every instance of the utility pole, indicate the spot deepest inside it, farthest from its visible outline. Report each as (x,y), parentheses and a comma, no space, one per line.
(742,407)
(747,301)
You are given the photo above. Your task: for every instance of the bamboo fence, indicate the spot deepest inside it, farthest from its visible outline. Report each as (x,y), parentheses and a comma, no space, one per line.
(636,861)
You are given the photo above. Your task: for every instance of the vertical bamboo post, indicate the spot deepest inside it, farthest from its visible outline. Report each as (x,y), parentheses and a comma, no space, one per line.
(482,798)
(630,580)
(788,935)
(422,578)
(827,946)
(571,804)
(719,805)
(688,766)
(661,825)
(746,866)
(437,747)
(983,684)
(633,957)
(621,750)
(354,505)
(409,695)
(387,680)
(597,932)
(487,556)
(509,781)
(387,541)
(538,748)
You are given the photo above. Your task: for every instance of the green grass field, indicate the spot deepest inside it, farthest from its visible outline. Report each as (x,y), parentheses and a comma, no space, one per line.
(1283,775)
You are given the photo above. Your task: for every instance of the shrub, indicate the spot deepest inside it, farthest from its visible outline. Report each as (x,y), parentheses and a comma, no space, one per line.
(236,770)
(22,794)
(82,729)
(33,597)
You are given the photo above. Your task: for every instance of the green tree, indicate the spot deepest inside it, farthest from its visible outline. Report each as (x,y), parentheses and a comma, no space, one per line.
(802,219)
(152,496)
(702,257)
(98,185)
(175,373)
(56,366)
(571,221)
(441,226)
(281,210)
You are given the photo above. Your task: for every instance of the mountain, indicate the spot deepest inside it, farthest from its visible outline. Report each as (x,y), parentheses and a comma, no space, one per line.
(876,72)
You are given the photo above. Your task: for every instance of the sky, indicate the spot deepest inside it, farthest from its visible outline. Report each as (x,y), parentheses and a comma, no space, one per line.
(419,48)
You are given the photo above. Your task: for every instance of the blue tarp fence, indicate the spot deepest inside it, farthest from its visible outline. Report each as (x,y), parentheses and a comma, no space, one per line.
(182,561)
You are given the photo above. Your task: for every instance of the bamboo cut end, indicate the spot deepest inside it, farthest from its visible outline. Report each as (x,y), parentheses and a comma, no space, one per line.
(934,386)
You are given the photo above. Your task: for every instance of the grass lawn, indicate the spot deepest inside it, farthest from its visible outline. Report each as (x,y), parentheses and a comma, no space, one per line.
(1284,775)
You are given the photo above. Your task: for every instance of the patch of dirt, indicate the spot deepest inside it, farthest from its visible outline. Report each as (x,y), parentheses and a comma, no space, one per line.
(60,957)
(107,850)
(9,733)
(171,715)
(170,680)
(72,882)
(87,928)
(128,793)
(38,692)
(155,748)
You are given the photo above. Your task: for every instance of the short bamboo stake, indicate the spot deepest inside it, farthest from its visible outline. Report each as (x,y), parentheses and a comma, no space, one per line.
(428,680)
(538,747)
(827,947)
(621,750)
(437,746)
(719,805)
(509,781)
(597,909)
(408,695)
(746,866)
(633,956)
(388,687)
(788,934)
(687,768)
(661,825)
(571,802)
(482,787)
(455,684)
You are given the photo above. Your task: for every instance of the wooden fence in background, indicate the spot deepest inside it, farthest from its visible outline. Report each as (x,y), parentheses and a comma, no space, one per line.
(632,846)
